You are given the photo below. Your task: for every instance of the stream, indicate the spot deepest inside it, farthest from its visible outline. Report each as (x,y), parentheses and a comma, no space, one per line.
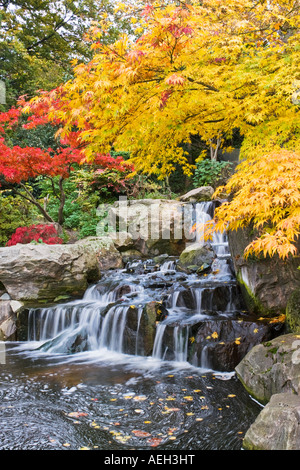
(89,377)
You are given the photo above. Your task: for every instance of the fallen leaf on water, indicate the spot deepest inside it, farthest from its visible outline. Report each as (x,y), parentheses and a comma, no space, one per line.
(154,441)
(140,398)
(139,433)
(76,414)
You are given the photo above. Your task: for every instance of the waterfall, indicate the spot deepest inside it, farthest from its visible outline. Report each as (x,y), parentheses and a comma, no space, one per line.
(112,315)
(158,353)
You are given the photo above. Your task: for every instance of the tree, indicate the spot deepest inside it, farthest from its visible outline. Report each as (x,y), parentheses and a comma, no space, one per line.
(198,69)
(39,38)
(263,194)
(21,165)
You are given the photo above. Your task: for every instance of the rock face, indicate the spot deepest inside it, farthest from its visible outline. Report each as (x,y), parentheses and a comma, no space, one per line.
(270,372)
(201,194)
(150,226)
(278,425)
(195,256)
(41,273)
(261,278)
(293,312)
(272,367)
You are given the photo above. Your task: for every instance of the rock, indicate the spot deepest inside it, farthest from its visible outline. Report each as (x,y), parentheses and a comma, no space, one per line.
(156,226)
(204,193)
(5,296)
(222,344)
(16,306)
(8,328)
(139,333)
(293,312)
(261,278)
(277,427)
(272,367)
(41,273)
(131,255)
(195,256)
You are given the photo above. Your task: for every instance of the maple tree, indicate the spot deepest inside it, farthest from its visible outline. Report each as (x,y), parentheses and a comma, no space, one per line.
(19,165)
(37,39)
(263,194)
(197,69)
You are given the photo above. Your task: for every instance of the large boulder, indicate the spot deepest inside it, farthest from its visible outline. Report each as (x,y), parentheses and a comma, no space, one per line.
(201,194)
(195,256)
(42,273)
(266,283)
(272,367)
(277,427)
(151,226)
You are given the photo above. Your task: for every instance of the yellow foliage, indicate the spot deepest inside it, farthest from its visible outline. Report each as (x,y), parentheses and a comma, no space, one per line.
(201,68)
(265,195)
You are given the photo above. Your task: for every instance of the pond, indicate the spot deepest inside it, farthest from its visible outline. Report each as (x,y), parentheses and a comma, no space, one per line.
(114,401)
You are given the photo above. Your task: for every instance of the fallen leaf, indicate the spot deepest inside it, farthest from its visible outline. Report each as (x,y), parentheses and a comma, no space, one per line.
(140,433)
(154,441)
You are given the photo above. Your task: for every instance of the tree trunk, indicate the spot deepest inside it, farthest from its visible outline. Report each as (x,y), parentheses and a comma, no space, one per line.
(62,202)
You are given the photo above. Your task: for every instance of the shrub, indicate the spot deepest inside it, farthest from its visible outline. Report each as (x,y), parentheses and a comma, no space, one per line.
(211,173)
(35,233)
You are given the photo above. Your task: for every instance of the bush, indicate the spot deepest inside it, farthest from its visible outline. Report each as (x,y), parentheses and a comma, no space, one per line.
(35,233)
(211,173)
(14,213)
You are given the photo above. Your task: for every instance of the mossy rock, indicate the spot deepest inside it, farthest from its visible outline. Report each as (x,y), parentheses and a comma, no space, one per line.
(293,312)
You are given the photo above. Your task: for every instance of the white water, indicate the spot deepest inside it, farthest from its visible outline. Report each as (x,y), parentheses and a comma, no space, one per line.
(100,319)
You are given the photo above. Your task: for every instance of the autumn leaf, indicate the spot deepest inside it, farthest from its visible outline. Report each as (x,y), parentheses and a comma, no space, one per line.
(154,441)
(139,433)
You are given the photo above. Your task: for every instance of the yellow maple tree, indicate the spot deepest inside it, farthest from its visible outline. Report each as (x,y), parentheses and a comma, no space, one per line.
(198,68)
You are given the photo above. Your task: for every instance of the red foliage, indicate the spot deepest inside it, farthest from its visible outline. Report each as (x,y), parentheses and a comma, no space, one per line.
(45,233)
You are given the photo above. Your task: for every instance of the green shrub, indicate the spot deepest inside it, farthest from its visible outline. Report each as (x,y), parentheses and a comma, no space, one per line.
(211,173)
(14,213)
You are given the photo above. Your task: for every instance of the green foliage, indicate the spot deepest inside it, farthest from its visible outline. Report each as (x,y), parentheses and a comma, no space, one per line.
(211,173)
(14,213)
(80,210)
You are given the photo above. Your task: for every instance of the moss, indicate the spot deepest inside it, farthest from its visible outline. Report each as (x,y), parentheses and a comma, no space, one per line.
(293,312)
(253,304)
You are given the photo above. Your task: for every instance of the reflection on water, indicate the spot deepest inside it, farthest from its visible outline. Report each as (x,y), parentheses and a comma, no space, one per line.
(105,401)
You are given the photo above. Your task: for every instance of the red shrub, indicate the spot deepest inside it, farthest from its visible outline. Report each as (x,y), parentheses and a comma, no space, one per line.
(39,233)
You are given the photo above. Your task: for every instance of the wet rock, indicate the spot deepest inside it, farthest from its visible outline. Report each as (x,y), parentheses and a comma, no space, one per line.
(271,367)
(195,256)
(139,333)
(277,427)
(222,344)
(266,283)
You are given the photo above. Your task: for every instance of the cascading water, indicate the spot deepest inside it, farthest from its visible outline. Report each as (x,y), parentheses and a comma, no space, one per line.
(129,366)
(112,310)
